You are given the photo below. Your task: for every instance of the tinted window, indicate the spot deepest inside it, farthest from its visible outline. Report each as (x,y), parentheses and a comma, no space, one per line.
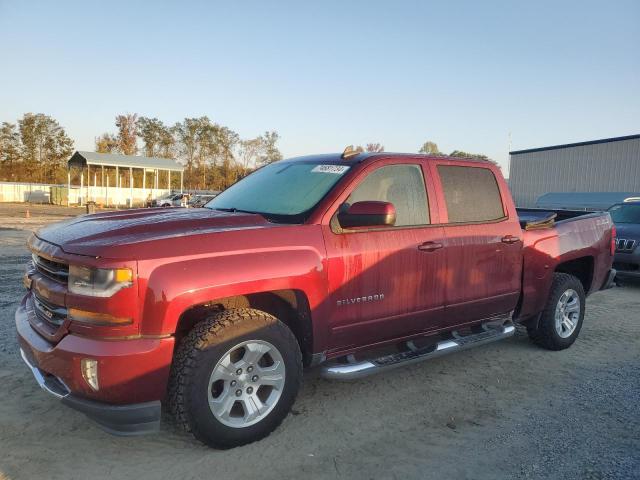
(471,194)
(625,213)
(401,185)
(281,190)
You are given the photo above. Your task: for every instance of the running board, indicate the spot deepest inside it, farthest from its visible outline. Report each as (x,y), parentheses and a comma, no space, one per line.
(352,369)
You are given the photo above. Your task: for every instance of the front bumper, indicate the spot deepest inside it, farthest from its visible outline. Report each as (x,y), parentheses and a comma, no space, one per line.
(628,264)
(133,374)
(135,419)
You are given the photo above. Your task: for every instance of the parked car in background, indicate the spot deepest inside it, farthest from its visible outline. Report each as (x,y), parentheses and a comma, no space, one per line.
(173,200)
(626,217)
(198,200)
(587,201)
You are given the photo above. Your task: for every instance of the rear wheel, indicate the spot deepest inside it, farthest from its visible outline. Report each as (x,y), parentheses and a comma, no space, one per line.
(562,317)
(235,377)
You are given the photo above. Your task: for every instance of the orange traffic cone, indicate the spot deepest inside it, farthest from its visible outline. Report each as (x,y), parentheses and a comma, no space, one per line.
(27,215)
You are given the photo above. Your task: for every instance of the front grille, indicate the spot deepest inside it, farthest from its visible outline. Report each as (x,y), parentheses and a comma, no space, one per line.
(49,268)
(52,314)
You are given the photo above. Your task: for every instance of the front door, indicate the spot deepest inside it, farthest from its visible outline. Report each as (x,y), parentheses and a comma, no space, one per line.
(385,282)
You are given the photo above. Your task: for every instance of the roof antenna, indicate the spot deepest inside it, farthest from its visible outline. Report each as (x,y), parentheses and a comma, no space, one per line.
(351,152)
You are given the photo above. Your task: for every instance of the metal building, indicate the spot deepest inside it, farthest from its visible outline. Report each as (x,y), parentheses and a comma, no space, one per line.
(608,165)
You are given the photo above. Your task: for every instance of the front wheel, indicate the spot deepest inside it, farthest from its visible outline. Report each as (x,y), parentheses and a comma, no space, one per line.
(235,377)
(562,317)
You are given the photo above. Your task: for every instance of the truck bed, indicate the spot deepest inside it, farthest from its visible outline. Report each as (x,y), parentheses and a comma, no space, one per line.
(540,218)
(562,240)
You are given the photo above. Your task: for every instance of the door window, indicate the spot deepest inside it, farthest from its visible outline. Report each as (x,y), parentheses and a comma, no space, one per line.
(401,185)
(471,194)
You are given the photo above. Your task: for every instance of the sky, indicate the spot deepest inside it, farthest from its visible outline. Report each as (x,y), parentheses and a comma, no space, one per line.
(467,75)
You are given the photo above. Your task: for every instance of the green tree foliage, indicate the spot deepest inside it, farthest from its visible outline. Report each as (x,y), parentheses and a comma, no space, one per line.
(157,138)
(10,149)
(127,125)
(429,148)
(374,147)
(461,154)
(45,147)
(270,152)
(107,143)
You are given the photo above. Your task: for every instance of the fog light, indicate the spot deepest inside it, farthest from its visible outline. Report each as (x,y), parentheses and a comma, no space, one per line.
(89,369)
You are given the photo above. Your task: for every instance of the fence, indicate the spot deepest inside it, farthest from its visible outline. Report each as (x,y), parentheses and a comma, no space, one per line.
(62,195)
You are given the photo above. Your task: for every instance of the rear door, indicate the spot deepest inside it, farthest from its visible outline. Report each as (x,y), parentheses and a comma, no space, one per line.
(483,242)
(383,282)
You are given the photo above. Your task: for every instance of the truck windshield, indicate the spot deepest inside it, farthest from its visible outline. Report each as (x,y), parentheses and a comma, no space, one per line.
(625,213)
(282,192)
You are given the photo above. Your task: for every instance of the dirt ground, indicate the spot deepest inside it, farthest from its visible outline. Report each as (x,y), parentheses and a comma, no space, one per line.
(504,410)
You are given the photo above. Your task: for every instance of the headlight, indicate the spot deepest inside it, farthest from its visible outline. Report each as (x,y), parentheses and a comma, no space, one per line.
(98,282)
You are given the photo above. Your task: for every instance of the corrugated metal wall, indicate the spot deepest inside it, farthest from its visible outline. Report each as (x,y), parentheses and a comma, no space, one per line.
(602,167)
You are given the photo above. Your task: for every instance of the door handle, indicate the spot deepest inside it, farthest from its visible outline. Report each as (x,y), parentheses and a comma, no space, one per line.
(429,246)
(510,239)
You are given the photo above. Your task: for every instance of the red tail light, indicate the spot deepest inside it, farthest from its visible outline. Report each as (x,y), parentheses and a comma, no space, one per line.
(613,240)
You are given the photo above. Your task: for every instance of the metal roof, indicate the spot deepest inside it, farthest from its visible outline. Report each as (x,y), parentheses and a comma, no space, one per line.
(579,144)
(82,159)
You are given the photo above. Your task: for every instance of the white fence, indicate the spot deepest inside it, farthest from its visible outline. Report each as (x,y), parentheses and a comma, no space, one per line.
(61,195)
(25,192)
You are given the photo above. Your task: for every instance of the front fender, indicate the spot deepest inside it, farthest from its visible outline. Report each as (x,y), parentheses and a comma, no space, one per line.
(172,288)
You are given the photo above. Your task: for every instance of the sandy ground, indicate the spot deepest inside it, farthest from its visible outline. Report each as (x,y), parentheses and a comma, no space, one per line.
(504,410)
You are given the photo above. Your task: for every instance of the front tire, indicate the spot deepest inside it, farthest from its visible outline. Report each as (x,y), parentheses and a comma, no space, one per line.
(235,377)
(562,317)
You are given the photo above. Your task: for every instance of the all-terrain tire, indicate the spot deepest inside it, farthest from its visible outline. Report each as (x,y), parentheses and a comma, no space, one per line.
(197,356)
(545,333)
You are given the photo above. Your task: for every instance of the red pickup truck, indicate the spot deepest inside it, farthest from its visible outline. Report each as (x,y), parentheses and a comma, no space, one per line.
(355,263)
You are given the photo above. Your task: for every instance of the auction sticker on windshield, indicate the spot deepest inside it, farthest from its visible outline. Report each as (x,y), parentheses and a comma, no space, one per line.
(337,169)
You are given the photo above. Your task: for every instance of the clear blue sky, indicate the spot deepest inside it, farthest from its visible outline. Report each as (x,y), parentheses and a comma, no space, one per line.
(331,73)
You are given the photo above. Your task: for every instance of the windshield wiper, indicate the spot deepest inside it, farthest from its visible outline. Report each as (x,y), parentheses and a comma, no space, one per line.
(234,210)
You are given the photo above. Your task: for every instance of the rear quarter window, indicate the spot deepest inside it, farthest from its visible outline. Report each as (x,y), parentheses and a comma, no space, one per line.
(471,194)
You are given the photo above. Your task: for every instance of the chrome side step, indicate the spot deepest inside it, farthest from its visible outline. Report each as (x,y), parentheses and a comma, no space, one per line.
(351,369)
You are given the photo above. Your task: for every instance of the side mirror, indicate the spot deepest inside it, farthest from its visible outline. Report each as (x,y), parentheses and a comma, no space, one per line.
(367,214)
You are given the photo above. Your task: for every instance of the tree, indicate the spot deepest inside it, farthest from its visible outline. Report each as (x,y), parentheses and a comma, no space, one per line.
(270,152)
(106,143)
(249,152)
(461,154)
(429,148)
(45,145)
(9,149)
(156,136)
(127,133)
(188,134)
(374,147)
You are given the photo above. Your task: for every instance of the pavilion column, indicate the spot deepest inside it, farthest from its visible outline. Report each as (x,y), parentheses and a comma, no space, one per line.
(117,202)
(106,195)
(181,181)
(88,183)
(102,181)
(81,187)
(144,184)
(169,180)
(130,187)
(68,185)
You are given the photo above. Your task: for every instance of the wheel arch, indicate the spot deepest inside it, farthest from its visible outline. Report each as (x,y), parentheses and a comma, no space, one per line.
(291,306)
(581,268)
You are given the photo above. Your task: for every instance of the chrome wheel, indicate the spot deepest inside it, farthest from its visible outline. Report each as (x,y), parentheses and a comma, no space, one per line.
(246,383)
(567,313)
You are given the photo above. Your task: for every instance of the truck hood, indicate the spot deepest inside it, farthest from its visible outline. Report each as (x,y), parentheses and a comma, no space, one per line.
(112,234)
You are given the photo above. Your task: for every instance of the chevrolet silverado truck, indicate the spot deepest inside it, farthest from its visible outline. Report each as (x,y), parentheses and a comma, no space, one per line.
(354,263)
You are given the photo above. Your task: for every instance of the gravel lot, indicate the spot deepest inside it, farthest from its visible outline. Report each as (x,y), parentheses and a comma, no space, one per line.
(505,410)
